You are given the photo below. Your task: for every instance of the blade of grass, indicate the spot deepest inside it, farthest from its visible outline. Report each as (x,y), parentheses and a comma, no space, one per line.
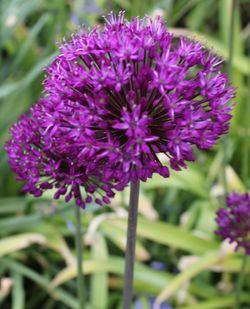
(14,243)
(81,291)
(112,265)
(58,294)
(18,292)
(177,238)
(181,180)
(99,282)
(202,264)
(32,35)
(118,236)
(218,303)
(12,205)
(7,89)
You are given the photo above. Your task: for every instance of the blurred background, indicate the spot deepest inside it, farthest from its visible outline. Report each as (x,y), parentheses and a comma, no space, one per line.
(177,251)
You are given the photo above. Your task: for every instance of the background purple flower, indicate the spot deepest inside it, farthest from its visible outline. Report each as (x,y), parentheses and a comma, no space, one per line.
(151,300)
(114,99)
(158,265)
(234,221)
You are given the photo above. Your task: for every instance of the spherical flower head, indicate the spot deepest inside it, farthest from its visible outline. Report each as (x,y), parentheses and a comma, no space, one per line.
(115,98)
(234,220)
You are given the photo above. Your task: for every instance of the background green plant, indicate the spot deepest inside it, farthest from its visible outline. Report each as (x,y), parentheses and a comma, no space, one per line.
(37,258)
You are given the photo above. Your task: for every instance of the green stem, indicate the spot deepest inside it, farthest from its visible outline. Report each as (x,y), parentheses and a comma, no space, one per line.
(229,71)
(79,254)
(240,281)
(231,38)
(130,247)
(245,140)
(245,160)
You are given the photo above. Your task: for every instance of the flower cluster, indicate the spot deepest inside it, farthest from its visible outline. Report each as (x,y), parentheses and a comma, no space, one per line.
(234,221)
(114,98)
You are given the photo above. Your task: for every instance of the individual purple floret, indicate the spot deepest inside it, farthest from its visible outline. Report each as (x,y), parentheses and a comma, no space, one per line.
(115,98)
(234,221)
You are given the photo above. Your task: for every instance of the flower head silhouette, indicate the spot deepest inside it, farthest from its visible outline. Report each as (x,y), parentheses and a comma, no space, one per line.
(114,98)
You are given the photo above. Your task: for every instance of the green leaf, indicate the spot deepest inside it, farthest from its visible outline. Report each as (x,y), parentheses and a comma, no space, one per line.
(12,204)
(55,240)
(27,222)
(206,219)
(12,224)
(112,265)
(57,294)
(18,292)
(8,89)
(201,12)
(140,286)
(99,282)
(14,243)
(32,35)
(167,234)
(231,265)
(181,180)
(180,8)
(219,303)
(117,234)
(225,7)
(203,263)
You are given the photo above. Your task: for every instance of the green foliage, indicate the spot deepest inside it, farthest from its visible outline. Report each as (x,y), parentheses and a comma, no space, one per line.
(37,254)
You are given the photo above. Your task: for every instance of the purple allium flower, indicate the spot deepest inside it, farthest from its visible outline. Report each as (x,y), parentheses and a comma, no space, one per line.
(234,221)
(115,98)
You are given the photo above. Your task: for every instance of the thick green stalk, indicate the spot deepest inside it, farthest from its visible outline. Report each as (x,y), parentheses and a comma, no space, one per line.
(130,247)
(245,137)
(229,71)
(79,254)
(231,38)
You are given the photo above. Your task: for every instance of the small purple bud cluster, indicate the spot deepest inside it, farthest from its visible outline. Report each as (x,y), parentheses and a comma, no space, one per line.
(115,98)
(234,221)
